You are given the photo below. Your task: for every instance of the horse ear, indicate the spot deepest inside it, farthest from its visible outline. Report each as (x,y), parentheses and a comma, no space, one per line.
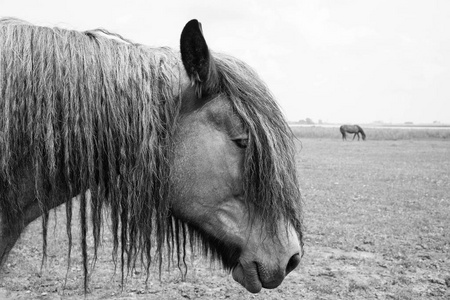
(197,59)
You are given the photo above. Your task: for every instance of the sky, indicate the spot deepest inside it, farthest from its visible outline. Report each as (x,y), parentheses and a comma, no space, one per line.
(338,61)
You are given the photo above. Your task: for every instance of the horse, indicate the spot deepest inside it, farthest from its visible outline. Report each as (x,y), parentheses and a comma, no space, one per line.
(180,147)
(355,129)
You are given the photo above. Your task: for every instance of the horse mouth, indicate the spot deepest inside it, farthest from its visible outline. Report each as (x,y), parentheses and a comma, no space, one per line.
(250,278)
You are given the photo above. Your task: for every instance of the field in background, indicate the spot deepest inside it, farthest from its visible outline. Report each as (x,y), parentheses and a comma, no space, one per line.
(374,133)
(376,217)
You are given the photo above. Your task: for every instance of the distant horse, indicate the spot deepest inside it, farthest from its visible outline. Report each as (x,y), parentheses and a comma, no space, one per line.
(181,148)
(355,129)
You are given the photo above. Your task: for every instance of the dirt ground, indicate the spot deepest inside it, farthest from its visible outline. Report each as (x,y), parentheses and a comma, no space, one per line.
(377,220)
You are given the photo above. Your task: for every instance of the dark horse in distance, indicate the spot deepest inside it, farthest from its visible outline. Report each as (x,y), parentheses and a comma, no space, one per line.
(355,129)
(181,148)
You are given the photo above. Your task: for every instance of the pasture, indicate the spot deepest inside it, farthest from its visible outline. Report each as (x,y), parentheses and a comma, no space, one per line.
(377,219)
(376,133)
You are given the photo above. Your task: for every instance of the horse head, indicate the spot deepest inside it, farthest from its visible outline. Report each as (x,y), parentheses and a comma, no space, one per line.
(215,154)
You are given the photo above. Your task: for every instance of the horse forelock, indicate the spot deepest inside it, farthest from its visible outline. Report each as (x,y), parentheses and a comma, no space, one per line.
(271,183)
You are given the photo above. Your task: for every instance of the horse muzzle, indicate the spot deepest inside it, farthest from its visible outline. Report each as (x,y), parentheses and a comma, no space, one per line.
(267,262)
(254,276)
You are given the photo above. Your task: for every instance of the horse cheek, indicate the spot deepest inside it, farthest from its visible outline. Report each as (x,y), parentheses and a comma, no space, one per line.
(207,182)
(192,179)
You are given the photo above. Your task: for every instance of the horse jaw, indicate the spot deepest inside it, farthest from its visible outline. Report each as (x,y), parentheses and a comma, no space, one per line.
(264,260)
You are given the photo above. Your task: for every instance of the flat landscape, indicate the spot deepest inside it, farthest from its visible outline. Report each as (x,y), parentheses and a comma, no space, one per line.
(377,226)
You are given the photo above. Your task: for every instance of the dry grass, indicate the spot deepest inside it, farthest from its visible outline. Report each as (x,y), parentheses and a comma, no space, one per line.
(390,199)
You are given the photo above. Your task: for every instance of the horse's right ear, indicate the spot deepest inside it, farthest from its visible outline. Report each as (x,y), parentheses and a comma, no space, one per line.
(197,59)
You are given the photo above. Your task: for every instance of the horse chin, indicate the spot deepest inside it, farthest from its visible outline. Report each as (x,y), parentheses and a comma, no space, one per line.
(227,252)
(248,277)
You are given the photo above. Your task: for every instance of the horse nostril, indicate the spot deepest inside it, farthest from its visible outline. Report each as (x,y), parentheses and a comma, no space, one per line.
(293,263)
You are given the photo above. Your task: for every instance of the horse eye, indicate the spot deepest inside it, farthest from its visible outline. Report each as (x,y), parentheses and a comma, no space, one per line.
(241,143)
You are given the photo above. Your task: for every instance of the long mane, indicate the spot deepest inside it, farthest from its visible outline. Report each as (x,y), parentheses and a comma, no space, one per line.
(100,113)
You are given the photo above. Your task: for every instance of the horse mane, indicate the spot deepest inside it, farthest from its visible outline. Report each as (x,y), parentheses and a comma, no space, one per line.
(13,21)
(101,112)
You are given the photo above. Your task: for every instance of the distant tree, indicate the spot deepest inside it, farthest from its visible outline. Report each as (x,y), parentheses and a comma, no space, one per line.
(409,123)
(309,121)
(320,122)
(302,122)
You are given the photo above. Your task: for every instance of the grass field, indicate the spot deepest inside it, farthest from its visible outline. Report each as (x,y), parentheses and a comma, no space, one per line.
(382,209)
(377,219)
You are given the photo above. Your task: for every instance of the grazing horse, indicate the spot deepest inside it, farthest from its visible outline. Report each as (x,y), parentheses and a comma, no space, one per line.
(182,148)
(355,129)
